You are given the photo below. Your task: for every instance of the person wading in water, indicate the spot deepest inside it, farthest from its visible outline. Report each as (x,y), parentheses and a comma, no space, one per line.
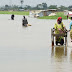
(70,29)
(12,17)
(24,21)
(59,29)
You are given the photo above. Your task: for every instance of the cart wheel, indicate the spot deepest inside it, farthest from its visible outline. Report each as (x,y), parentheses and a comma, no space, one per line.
(56,42)
(62,42)
(52,38)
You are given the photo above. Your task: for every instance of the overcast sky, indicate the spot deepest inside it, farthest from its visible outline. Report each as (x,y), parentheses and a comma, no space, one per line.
(35,2)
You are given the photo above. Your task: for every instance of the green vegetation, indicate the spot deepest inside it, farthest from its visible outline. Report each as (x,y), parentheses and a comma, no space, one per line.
(58,14)
(15,12)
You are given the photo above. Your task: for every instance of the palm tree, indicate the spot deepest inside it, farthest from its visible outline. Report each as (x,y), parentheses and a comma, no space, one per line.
(21,1)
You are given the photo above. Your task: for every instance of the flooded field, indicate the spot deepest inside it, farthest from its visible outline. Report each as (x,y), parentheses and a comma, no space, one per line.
(28,49)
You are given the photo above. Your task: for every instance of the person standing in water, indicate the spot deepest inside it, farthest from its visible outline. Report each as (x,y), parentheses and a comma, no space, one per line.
(67,16)
(12,17)
(70,27)
(59,29)
(24,21)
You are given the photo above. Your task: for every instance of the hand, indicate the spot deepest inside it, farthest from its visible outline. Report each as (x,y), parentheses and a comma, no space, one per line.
(53,29)
(67,30)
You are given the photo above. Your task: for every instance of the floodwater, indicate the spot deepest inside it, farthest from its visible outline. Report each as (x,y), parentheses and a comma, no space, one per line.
(28,49)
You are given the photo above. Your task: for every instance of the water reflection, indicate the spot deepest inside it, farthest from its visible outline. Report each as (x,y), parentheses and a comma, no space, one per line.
(59,58)
(71,55)
(59,53)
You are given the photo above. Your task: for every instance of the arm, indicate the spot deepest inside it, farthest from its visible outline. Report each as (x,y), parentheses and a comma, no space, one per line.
(70,25)
(64,28)
(55,28)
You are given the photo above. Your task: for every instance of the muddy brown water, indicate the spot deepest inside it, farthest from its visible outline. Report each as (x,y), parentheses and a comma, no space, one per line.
(28,49)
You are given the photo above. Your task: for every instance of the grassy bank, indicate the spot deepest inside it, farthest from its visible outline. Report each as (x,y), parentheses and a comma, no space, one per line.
(15,12)
(58,14)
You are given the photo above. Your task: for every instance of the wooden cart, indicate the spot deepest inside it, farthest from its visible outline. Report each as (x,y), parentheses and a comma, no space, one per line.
(55,35)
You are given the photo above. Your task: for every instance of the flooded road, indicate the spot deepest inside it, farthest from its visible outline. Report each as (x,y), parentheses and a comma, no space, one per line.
(28,49)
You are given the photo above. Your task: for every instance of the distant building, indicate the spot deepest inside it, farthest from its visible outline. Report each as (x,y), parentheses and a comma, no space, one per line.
(66,12)
(70,14)
(21,9)
(51,11)
(41,13)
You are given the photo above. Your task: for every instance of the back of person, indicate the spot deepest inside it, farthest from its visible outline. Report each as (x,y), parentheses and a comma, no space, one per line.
(71,29)
(24,21)
(71,25)
(12,16)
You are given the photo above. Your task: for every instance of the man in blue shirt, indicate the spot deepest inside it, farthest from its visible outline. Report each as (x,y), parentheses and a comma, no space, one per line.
(71,29)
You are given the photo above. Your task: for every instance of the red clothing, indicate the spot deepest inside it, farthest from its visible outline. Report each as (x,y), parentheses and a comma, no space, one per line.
(59,18)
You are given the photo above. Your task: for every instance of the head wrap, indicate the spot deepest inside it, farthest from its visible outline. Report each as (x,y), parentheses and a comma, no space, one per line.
(59,18)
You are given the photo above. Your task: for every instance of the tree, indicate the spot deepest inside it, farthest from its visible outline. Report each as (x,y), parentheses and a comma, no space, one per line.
(44,5)
(52,7)
(14,7)
(62,8)
(39,6)
(6,7)
(70,7)
(27,7)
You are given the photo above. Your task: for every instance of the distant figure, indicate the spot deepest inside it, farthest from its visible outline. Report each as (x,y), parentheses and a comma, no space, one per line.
(71,29)
(67,16)
(12,17)
(24,21)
